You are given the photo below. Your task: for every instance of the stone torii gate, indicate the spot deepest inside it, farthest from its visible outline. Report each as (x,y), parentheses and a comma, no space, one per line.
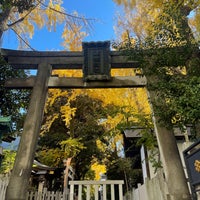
(96,60)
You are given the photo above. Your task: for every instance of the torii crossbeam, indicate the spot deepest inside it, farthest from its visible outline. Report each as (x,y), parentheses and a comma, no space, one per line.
(68,60)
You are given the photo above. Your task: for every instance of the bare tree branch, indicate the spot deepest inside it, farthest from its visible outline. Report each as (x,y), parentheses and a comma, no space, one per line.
(66,14)
(22,18)
(23,40)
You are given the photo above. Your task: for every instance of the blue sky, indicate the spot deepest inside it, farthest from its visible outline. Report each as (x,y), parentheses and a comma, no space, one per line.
(103,11)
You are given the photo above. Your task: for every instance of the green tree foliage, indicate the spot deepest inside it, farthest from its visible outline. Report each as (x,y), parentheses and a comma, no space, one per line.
(12,102)
(169,56)
(7,161)
(126,169)
(22,5)
(78,141)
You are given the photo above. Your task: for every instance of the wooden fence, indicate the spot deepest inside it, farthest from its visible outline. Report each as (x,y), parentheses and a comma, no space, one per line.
(45,195)
(4,180)
(97,190)
(31,195)
(79,190)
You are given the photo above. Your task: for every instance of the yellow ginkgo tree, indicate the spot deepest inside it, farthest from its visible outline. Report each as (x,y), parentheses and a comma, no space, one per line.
(166,41)
(141,16)
(24,17)
(124,108)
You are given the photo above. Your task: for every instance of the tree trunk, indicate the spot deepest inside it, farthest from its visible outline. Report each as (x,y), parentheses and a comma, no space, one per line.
(67,164)
(170,157)
(19,179)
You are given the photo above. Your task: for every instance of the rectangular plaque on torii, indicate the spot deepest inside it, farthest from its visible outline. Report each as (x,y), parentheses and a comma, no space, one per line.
(96,65)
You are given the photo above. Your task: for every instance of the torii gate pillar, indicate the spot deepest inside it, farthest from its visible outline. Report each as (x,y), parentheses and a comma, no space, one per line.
(21,171)
(19,179)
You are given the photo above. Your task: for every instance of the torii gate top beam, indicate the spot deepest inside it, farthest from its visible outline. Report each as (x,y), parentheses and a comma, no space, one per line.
(59,59)
(95,60)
